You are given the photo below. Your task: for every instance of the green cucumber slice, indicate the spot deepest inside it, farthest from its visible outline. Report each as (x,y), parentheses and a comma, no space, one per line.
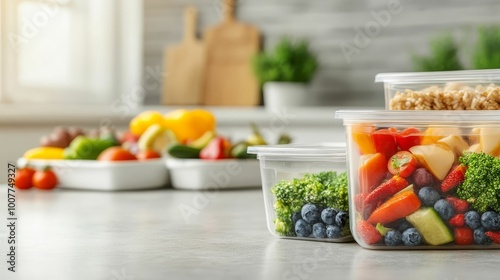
(427,221)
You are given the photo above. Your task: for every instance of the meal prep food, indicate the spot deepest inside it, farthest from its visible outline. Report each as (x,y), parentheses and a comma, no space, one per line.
(305,191)
(424,179)
(451,90)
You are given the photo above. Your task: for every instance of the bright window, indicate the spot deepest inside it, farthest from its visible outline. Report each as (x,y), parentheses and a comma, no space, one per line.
(70,51)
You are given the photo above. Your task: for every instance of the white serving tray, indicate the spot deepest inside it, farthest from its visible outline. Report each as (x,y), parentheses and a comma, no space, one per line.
(197,174)
(105,175)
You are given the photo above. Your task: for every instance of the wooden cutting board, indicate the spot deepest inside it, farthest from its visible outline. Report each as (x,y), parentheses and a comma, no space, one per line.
(184,65)
(230,46)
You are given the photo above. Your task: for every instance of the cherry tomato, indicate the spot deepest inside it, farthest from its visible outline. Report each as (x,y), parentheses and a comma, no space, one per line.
(44,179)
(148,154)
(116,154)
(403,163)
(385,142)
(24,178)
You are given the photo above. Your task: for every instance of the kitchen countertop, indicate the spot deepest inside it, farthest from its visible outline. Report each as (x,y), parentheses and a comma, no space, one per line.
(68,234)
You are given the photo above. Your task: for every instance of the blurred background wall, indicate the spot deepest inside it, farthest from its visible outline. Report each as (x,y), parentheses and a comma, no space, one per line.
(354,40)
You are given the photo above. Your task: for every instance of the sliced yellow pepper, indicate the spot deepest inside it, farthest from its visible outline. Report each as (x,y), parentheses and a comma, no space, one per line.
(44,153)
(189,125)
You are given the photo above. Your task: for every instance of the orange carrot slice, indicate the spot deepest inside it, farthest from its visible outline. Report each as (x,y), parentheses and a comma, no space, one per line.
(371,172)
(361,134)
(399,206)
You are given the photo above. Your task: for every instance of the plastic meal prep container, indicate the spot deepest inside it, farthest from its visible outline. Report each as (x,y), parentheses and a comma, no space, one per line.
(424,179)
(305,191)
(445,90)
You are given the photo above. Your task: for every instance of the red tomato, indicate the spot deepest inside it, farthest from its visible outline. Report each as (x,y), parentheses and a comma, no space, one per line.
(44,179)
(116,154)
(24,178)
(384,141)
(148,154)
(403,163)
(408,138)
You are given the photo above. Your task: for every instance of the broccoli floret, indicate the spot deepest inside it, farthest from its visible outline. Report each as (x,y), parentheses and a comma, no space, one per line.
(481,187)
(325,189)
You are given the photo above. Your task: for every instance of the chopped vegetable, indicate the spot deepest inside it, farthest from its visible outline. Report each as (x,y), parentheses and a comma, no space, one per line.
(86,148)
(189,125)
(397,207)
(44,153)
(327,189)
(481,187)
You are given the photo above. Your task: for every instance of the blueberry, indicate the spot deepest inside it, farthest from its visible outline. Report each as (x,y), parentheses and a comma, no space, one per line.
(444,209)
(328,216)
(302,228)
(393,238)
(341,219)
(296,216)
(411,237)
(319,230)
(333,231)
(310,213)
(481,238)
(472,219)
(404,225)
(428,195)
(490,221)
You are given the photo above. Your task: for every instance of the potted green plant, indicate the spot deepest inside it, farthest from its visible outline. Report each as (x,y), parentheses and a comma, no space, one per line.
(285,74)
(487,51)
(443,57)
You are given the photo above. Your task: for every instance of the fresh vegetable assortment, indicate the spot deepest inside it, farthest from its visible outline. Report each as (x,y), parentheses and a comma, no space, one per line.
(438,186)
(211,146)
(313,206)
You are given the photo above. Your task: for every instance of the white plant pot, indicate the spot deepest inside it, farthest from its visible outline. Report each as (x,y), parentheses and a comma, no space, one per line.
(282,95)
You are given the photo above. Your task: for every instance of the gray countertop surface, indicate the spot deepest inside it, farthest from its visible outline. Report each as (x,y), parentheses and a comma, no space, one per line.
(172,234)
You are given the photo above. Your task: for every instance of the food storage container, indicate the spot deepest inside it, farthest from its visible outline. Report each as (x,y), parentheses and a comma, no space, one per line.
(104,175)
(424,179)
(305,191)
(198,174)
(449,90)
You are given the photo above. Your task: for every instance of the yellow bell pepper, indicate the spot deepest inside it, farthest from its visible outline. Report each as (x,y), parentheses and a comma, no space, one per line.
(189,125)
(141,122)
(44,153)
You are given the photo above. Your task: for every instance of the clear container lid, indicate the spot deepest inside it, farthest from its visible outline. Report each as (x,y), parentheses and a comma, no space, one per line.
(423,117)
(489,75)
(335,150)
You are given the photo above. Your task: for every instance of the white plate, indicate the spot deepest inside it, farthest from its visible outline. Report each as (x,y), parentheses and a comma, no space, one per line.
(106,176)
(197,174)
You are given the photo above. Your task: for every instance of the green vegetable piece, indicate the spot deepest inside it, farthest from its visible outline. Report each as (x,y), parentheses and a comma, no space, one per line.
(87,148)
(383,230)
(427,221)
(284,139)
(327,189)
(183,151)
(481,187)
(256,138)
(239,151)
(203,141)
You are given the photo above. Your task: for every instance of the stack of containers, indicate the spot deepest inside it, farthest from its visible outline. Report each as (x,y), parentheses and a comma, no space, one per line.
(426,172)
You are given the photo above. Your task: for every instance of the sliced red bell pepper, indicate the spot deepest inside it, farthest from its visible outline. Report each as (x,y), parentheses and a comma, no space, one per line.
(384,141)
(216,149)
